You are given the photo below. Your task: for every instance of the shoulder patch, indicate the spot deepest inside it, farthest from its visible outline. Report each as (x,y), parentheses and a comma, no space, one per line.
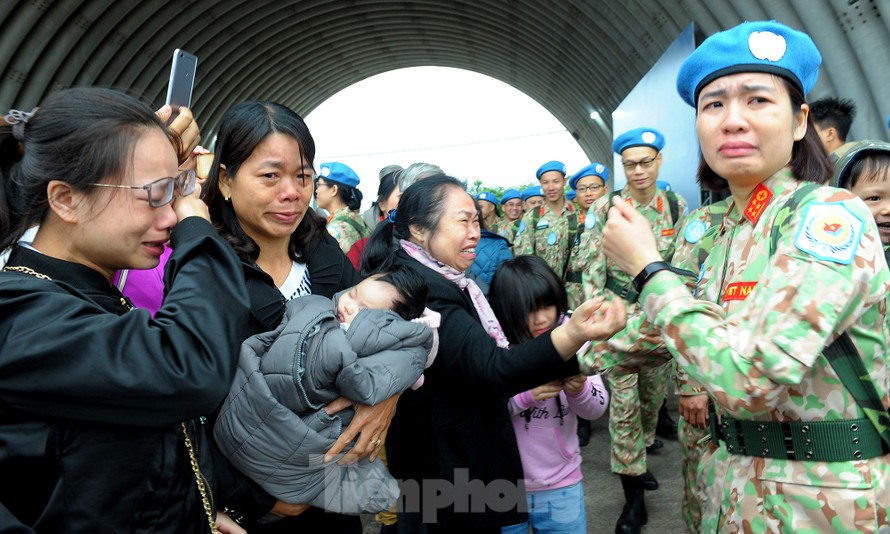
(829,232)
(543,224)
(551,239)
(695,230)
(521,227)
(590,220)
(333,231)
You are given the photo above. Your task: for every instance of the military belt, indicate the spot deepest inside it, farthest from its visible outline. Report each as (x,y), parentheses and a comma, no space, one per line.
(817,441)
(625,292)
(573,276)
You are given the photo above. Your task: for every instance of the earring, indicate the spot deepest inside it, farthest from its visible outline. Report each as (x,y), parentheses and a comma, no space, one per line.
(226,198)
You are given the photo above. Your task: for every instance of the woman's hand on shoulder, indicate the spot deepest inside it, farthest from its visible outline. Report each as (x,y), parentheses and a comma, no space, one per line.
(369,425)
(596,319)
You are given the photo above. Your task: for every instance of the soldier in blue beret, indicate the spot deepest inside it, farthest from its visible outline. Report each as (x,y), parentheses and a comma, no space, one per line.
(532,197)
(787,326)
(511,204)
(590,183)
(638,391)
(336,191)
(548,231)
(490,210)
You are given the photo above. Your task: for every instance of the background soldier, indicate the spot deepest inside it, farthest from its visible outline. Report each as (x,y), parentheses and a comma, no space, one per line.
(639,380)
(694,243)
(545,231)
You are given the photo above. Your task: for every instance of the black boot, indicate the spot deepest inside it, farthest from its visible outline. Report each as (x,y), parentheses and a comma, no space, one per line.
(650,483)
(666,427)
(633,515)
(583,431)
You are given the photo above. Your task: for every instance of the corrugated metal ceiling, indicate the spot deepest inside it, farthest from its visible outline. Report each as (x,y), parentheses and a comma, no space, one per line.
(570,56)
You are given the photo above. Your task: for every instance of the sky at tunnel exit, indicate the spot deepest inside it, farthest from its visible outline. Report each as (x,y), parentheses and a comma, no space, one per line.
(474,127)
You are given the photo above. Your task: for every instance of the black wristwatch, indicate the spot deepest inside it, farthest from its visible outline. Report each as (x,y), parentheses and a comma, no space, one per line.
(647,273)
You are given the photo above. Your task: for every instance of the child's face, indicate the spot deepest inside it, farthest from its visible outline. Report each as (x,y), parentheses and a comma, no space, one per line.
(541,320)
(369,293)
(875,192)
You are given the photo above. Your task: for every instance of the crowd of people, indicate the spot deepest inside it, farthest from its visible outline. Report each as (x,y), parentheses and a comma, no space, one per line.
(192,346)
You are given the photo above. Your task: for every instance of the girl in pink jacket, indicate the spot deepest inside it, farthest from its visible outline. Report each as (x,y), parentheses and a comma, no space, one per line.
(529,299)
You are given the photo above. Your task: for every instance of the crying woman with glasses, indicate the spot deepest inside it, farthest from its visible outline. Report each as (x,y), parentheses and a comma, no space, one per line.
(99,401)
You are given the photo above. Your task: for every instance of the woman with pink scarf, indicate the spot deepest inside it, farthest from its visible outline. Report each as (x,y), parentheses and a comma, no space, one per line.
(451,442)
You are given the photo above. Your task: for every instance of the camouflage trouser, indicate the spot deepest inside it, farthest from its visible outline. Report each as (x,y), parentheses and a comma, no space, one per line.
(690,444)
(633,414)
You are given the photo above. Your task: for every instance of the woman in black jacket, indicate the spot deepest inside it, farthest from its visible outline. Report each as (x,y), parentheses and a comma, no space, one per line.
(98,400)
(451,442)
(258,191)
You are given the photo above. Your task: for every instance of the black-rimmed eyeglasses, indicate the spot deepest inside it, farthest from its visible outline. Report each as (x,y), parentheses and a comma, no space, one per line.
(584,188)
(160,192)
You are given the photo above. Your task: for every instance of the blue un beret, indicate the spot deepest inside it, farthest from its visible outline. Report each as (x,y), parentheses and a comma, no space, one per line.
(638,137)
(488,196)
(338,173)
(557,166)
(594,169)
(533,191)
(510,194)
(570,196)
(761,46)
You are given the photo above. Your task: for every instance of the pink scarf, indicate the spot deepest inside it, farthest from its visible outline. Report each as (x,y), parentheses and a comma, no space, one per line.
(486,315)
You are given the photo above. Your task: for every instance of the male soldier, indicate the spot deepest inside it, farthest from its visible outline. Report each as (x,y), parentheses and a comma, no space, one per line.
(639,380)
(532,198)
(833,118)
(511,205)
(491,213)
(548,231)
(588,184)
(595,175)
(694,243)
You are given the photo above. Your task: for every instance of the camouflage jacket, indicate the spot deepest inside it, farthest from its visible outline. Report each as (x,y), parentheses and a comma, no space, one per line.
(770,302)
(546,235)
(694,242)
(638,344)
(347,228)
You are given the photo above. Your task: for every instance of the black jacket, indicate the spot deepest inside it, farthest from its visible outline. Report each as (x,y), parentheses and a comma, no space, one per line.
(456,426)
(329,272)
(92,395)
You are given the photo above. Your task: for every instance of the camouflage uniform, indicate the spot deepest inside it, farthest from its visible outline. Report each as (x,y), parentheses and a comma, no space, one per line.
(781,282)
(548,238)
(509,229)
(636,396)
(694,242)
(579,262)
(345,232)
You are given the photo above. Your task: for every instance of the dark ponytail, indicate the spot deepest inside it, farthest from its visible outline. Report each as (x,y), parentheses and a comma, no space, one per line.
(79,136)
(421,205)
(350,196)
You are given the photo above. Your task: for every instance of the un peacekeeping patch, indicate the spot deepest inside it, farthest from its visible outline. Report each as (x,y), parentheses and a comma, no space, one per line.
(521,227)
(334,232)
(590,220)
(695,230)
(830,232)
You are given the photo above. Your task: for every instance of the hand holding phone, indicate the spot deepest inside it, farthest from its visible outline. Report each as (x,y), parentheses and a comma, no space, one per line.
(182,81)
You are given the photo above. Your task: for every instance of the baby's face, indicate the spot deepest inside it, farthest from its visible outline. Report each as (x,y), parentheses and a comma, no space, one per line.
(369,293)
(875,192)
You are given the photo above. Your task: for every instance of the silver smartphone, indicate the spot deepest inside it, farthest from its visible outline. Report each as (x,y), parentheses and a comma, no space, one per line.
(182,80)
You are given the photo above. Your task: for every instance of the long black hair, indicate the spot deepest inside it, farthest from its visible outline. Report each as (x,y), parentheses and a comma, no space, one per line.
(80,136)
(421,205)
(520,286)
(243,128)
(809,161)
